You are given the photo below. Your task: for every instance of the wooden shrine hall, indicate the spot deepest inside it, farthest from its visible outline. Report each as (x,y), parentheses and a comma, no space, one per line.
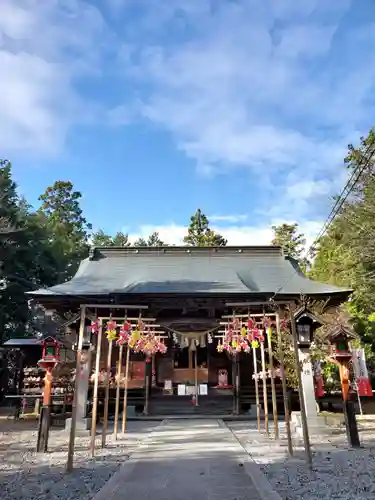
(188,295)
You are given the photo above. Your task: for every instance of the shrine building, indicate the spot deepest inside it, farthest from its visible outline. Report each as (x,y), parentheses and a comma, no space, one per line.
(189,294)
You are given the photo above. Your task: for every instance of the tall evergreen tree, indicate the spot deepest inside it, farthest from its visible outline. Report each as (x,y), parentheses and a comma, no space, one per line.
(200,234)
(152,241)
(68,229)
(101,239)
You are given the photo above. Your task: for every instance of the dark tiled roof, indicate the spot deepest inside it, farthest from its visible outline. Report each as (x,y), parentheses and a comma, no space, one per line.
(184,270)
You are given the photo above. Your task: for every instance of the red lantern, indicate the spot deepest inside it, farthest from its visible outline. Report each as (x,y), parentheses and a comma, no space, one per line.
(50,353)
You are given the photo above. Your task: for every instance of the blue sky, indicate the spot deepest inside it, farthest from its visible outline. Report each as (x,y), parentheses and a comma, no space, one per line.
(155,108)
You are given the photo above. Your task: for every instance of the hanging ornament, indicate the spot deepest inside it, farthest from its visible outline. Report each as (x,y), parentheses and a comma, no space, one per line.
(284,324)
(95,325)
(111,330)
(209,338)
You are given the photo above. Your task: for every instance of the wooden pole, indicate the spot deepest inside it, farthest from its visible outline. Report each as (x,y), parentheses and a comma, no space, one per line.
(106,400)
(256,386)
(305,429)
(96,388)
(72,435)
(126,389)
(273,387)
(284,385)
(265,396)
(147,385)
(119,371)
(196,376)
(237,361)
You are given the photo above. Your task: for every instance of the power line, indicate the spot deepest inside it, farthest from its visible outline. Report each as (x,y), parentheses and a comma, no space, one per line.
(348,188)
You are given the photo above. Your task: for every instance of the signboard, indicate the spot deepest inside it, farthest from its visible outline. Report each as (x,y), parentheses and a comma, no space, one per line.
(203,389)
(181,390)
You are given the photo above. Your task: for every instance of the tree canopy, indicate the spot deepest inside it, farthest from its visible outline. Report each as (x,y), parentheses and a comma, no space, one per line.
(200,234)
(346,253)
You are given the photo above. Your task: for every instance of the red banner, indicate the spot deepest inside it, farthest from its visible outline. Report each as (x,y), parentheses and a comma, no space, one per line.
(361,373)
(318,379)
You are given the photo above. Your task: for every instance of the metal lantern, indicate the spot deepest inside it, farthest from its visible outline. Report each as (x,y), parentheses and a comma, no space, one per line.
(305,330)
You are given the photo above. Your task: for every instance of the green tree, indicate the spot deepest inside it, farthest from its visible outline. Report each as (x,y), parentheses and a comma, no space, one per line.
(26,260)
(346,253)
(101,239)
(200,234)
(60,212)
(290,239)
(152,241)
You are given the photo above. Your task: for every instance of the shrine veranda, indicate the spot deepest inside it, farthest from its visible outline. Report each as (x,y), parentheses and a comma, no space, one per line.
(189,295)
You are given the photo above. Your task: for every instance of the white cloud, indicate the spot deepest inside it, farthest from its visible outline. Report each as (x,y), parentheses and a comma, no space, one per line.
(173,234)
(250,86)
(228,218)
(44,46)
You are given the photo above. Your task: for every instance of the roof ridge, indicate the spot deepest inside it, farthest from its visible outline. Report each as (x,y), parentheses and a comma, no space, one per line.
(98,251)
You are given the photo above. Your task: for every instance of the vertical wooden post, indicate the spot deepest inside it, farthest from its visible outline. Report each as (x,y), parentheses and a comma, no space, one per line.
(284,385)
(265,396)
(153,371)
(273,387)
(126,389)
(196,375)
(119,372)
(305,428)
(96,388)
(72,435)
(147,385)
(106,400)
(256,386)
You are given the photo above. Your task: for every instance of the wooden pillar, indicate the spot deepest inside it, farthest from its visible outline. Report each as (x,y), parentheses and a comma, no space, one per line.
(284,385)
(196,376)
(256,380)
(273,387)
(69,464)
(305,428)
(106,399)
(118,384)
(96,388)
(265,395)
(147,385)
(124,411)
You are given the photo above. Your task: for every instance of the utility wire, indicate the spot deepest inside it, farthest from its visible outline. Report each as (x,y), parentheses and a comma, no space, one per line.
(348,188)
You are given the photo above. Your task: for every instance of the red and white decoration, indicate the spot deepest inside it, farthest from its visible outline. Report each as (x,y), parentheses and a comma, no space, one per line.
(361,373)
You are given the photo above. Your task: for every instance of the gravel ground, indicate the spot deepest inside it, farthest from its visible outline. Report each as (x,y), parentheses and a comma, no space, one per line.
(25,474)
(339,472)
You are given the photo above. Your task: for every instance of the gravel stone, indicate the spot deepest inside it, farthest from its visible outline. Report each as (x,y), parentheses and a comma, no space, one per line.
(339,472)
(25,474)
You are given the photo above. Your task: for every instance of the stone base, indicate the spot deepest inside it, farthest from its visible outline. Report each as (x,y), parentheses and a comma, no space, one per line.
(83,426)
(315,425)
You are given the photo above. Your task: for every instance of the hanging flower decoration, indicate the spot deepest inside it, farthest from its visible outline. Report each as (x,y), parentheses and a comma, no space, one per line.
(125,332)
(95,325)
(149,343)
(283,324)
(235,338)
(111,330)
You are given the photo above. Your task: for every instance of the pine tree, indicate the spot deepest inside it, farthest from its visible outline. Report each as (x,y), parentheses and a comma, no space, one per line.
(200,234)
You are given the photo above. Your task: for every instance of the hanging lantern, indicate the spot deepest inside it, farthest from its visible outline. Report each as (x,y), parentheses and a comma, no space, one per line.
(50,353)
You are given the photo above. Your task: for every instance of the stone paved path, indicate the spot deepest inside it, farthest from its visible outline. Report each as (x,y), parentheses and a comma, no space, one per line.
(184,460)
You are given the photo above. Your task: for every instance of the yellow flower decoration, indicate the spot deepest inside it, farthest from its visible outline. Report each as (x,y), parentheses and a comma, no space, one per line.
(111,335)
(243,331)
(269,332)
(234,344)
(254,344)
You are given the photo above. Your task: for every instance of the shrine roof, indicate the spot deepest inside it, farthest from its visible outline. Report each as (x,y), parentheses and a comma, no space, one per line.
(210,271)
